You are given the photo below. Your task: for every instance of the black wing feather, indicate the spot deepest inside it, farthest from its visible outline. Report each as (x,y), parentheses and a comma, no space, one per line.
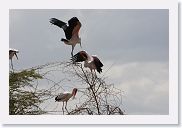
(68,29)
(79,57)
(73,22)
(57,22)
(98,64)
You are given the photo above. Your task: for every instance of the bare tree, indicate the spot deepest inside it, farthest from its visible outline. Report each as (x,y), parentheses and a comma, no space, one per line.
(95,97)
(98,97)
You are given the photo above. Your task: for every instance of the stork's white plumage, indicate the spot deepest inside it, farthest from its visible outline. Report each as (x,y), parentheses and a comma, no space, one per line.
(65,96)
(71,31)
(91,62)
(12,52)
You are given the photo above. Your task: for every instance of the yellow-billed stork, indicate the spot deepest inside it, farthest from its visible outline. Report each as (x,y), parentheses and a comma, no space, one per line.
(64,97)
(71,31)
(91,62)
(12,52)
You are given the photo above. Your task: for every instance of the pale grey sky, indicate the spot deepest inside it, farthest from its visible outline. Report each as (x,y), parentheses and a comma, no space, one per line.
(135,41)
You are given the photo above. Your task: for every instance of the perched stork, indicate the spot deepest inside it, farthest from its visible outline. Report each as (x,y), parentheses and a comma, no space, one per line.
(64,97)
(71,31)
(12,52)
(91,62)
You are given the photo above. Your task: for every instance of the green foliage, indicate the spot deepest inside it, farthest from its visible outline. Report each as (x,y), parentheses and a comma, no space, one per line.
(23,97)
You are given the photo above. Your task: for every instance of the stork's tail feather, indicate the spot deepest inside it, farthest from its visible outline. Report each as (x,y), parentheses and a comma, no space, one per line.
(99,70)
(56,98)
(64,40)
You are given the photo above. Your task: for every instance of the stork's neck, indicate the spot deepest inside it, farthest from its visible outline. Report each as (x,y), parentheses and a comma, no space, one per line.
(72,93)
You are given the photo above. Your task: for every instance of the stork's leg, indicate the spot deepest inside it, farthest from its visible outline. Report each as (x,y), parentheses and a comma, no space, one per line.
(12,65)
(72,50)
(66,107)
(92,76)
(92,82)
(95,73)
(63,108)
(91,70)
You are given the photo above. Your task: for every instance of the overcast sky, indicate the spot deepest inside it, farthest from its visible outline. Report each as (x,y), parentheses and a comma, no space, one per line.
(135,42)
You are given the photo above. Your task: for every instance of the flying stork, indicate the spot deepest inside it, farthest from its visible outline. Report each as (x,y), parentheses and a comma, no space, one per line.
(12,52)
(91,62)
(71,31)
(64,97)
